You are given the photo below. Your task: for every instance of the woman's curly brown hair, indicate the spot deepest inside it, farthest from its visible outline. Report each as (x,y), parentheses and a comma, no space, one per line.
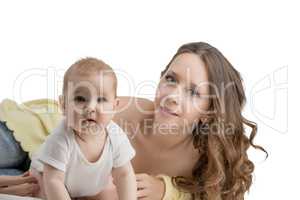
(223,170)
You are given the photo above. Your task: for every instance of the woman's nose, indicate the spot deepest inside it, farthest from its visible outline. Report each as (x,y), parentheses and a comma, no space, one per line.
(175,96)
(171,96)
(172,99)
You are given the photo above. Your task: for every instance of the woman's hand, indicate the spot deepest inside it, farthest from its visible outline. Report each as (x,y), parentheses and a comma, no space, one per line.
(23,185)
(149,187)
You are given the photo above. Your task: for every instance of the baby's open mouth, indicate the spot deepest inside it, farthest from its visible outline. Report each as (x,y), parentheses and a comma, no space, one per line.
(90,125)
(88,122)
(91,120)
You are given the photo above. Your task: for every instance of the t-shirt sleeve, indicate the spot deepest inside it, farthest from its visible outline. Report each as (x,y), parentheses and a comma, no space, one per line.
(55,152)
(123,151)
(171,192)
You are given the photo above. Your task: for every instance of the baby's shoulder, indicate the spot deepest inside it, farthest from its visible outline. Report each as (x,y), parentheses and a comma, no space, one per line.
(114,131)
(116,134)
(60,135)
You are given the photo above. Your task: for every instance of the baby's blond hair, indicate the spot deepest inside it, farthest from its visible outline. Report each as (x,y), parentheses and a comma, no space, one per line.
(86,67)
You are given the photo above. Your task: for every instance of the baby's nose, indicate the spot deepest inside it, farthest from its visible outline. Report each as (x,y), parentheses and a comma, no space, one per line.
(91,107)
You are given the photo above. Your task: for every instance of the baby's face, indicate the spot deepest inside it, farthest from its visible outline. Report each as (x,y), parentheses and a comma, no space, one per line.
(90,103)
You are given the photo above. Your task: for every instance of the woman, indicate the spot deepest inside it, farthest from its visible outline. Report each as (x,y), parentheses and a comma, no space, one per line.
(13,160)
(22,185)
(193,131)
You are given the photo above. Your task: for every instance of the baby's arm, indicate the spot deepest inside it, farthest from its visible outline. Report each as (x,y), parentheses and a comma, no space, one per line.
(125,181)
(53,180)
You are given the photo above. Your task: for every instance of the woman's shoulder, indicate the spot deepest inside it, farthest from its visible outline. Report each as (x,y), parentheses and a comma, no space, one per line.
(133,109)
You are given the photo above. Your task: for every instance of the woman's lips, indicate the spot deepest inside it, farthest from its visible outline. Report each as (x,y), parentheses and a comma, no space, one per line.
(167,111)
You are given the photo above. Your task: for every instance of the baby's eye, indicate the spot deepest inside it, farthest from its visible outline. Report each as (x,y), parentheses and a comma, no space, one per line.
(101,99)
(170,78)
(80,99)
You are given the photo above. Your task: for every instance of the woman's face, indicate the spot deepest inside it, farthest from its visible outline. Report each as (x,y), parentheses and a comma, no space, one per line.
(182,94)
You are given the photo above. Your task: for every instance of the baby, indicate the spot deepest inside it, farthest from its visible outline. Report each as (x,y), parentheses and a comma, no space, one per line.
(79,156)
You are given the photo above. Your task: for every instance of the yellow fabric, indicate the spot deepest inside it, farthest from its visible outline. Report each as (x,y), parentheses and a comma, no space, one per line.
(172,193)
(31,121)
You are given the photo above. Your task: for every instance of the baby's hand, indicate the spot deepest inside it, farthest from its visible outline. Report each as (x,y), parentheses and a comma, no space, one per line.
(108,193)
(149,187)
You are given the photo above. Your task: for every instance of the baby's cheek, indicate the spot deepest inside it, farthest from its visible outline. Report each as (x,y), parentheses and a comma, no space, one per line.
(105,116)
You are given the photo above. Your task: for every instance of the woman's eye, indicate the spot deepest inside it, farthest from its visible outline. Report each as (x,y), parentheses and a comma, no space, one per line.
(80,99)
(101,99)
(170,78)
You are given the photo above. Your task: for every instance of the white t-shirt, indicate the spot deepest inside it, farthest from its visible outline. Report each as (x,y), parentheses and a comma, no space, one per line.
(83,178)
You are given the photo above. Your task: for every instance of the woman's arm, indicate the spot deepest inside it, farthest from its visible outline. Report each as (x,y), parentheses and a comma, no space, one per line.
(124,179)
(24,185)
(53,180)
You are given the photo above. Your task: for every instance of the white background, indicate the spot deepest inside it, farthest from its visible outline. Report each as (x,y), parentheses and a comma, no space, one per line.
(40,39)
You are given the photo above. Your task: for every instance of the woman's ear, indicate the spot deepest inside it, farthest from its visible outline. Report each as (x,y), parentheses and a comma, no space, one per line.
(61,102)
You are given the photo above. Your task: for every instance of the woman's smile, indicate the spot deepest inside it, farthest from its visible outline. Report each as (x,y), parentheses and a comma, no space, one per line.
(166,111)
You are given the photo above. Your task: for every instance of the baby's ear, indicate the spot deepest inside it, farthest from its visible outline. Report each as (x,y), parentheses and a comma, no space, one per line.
(116,103)
(61,102)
